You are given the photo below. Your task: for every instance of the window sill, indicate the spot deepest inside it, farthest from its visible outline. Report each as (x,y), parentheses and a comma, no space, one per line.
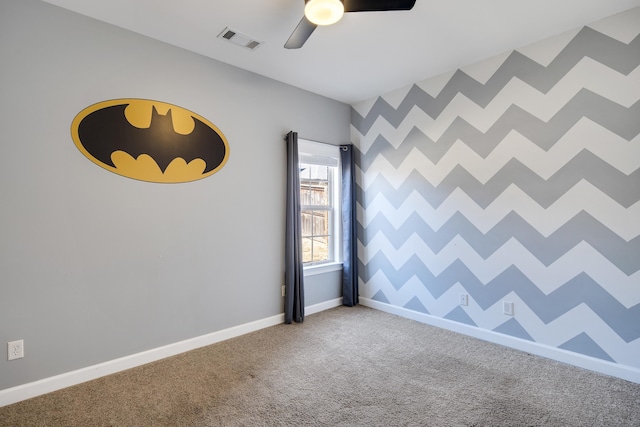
(312,270)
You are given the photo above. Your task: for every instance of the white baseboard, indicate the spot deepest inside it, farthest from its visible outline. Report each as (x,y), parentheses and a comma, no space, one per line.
(597,365)
(47,385)
(326,305)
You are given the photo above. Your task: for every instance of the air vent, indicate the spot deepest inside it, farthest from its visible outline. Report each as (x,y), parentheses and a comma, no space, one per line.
(239,39)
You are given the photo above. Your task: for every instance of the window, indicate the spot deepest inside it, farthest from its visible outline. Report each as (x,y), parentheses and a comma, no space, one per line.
(317,212)
(320,202)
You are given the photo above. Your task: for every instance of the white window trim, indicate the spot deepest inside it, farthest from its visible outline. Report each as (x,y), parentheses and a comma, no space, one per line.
(327,267)
(322,149)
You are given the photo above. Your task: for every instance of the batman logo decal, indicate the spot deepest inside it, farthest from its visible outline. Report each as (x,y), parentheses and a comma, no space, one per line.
(150,140)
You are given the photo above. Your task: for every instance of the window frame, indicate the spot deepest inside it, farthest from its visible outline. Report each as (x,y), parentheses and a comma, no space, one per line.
(307,151)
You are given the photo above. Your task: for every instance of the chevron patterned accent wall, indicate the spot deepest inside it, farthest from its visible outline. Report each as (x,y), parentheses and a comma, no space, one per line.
(516,179)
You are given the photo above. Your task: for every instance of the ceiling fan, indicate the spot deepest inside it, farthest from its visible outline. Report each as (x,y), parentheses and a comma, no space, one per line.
(327,12)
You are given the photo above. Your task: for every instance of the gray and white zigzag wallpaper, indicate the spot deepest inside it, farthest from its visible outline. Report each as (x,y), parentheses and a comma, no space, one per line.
(515,179)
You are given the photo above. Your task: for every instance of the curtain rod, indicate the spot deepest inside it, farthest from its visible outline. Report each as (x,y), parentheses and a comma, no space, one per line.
(341,146)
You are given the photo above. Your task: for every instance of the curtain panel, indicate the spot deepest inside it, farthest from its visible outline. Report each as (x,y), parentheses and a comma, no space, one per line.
(349,242)
(294,274)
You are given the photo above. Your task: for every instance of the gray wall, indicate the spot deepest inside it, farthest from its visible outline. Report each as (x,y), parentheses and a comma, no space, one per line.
(96,266)
(515,179)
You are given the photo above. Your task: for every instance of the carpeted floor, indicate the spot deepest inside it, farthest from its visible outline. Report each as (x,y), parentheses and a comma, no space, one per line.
(342,367)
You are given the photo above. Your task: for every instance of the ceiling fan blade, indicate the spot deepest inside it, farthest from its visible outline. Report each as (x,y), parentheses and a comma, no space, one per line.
(300,34)
(377,5)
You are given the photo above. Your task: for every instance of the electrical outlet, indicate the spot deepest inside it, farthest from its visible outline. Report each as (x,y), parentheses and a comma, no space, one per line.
(464,299)
(283,290)
(507,308)
(15,350)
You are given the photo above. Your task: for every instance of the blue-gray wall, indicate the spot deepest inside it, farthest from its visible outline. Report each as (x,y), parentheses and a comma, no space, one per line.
(516,179)
(95,266)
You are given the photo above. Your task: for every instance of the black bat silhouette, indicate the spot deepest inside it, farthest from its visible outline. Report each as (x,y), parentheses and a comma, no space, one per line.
(107,130)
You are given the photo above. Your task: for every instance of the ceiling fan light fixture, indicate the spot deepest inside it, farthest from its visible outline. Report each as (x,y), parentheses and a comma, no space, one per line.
(324,12)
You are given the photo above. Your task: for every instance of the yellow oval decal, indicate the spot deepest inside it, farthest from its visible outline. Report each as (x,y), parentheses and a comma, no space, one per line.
(149,140)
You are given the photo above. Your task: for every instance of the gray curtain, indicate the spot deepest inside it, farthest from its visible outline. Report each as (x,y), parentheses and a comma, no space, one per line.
(349,242)
(293,277)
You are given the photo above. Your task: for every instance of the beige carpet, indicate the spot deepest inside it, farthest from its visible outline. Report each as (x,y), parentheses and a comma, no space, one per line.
(342,367)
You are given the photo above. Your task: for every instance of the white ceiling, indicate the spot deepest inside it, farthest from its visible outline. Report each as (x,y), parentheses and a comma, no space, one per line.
(365,54)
